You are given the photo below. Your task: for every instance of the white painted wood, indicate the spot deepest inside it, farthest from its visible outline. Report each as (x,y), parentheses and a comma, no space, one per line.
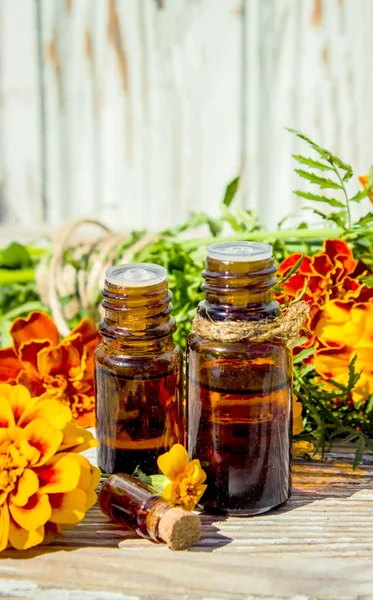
(140,122)
(308,66)
(147,113)
(20,162)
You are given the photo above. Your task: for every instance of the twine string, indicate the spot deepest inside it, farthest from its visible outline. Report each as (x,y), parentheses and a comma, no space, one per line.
(283,328)
(58,279)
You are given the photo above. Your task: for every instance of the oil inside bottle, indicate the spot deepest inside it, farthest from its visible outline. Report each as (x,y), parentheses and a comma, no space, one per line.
(243,433)
(239,393)
(140,420)
(139,405)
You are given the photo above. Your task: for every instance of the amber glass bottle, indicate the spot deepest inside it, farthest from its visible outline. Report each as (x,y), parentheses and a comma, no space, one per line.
(133,504)
(139,404)
(239,393)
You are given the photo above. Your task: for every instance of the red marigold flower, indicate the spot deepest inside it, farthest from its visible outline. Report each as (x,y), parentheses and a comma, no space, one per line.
(331,274)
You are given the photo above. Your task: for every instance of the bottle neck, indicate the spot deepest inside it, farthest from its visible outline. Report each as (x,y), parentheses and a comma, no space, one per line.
(239,290)
(137,314)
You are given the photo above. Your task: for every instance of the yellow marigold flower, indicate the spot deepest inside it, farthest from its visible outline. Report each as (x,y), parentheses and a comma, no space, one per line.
(346,329)
(186,478)
(45,485)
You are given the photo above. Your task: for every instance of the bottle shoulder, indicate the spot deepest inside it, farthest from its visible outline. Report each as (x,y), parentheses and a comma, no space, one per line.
(123,360)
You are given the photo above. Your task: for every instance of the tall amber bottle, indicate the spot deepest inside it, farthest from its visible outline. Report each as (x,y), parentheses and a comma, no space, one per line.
(139,404)
(239,393)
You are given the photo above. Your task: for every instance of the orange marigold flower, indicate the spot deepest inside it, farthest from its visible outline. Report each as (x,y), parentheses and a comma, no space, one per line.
(346,329)
(43,363)
(330,274)
(186,478)
(45,485)
(363,180)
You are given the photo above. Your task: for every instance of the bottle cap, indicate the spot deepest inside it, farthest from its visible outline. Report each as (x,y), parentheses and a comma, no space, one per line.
(136,275)
(239,251)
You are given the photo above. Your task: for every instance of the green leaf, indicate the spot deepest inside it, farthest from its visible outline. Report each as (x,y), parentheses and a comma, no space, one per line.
(303,355)
(15,256)
(342,165)
(293,270)
(317,198)
(323,182)
(315,164)
(159,482)
(231,191)
(323,153)
(359,452)
(306,370)
(360,195)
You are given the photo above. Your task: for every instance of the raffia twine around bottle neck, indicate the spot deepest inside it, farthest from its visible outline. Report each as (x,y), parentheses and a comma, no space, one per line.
(284,328)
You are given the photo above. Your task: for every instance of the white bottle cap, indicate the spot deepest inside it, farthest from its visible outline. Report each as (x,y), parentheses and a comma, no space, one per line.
(136,275)
(239,251)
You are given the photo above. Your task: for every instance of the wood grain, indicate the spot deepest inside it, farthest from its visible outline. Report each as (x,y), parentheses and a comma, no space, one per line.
(139,113)
(318,546)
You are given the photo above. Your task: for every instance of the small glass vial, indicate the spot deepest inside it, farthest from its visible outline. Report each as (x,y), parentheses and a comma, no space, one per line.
(239,407)
(132,503)
(138,371)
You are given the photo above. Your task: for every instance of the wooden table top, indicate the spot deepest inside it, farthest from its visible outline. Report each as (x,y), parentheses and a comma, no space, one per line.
(318,546)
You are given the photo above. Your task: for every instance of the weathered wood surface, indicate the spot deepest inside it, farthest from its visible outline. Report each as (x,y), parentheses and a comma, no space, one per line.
(318,546)
(139,111)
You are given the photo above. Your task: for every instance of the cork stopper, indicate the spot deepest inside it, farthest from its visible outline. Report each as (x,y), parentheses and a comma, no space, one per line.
(179,528)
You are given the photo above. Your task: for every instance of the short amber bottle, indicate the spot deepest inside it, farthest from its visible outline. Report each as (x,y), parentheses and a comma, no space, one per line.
(139,401)
(239,407)
(134,505)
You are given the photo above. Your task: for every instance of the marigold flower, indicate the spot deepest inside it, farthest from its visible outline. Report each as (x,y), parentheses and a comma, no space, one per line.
(346,329)
(45,485)
(329,274)
(42,362)
(186,478)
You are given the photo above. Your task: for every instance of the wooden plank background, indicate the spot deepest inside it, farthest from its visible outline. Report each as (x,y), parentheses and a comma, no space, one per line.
(139,111)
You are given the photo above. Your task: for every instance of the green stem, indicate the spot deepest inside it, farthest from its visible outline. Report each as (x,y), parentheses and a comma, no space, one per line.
(261,236)
(349,223)
(9,276)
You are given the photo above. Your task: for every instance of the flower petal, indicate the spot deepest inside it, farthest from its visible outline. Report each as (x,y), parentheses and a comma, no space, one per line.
(21,539)
(77,439)
(44,437)
(173,463)
(61,474)
(195,471)
(169,492)
(37,326)
(34,514)
(27,486)
(19,399)
(4,526)
(68,508)
(28,353)
(88,332)
(10,365)
(52,411)
(6,413)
